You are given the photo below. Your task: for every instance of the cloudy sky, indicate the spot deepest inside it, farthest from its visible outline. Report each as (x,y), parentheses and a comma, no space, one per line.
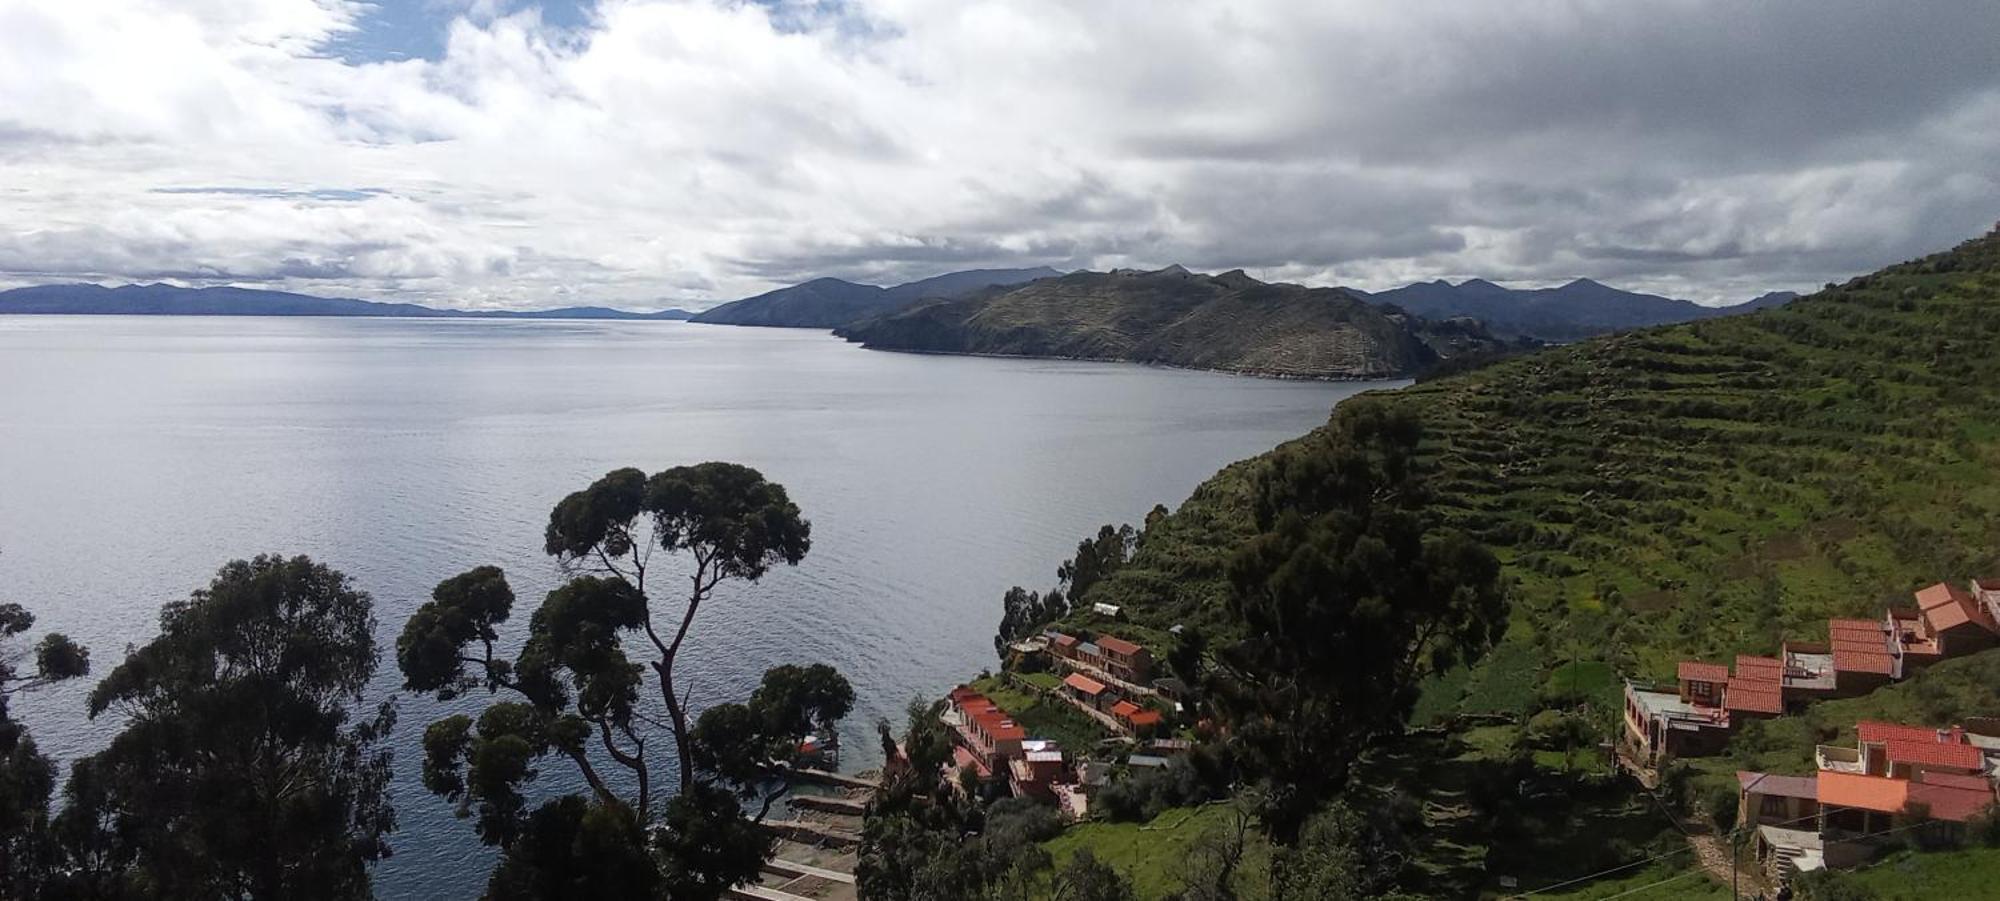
(510,153)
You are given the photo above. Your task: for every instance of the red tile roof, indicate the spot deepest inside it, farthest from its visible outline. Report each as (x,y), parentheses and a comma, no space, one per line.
(1084,684)
(1754,697)
(1851,660)
(1948,606)
(1759,669)
(1854,625)
(1145,717)
(1124,709)
(1941,594)
(1873,731)
(999,726)
(1877,793)
(1956,780)
(1933,753)
(1949,802)
(1697,671)
(1063,640)
(1118,645)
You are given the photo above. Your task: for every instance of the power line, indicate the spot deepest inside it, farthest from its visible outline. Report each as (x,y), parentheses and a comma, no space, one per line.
(1682,850)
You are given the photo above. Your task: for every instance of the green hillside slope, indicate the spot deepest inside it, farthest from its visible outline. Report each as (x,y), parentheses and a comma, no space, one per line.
(1174,317)
(1694,489)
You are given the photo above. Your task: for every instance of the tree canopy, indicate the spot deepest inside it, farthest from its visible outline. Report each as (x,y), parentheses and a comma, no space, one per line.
(578,687)
(241,771)
(27,776)
(1349,599)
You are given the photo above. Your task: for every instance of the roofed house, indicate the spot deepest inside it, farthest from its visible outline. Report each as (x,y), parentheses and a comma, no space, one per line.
(1862,657)
(1661,724)
(1126,660)
(1141,721)
(1948,621)
(1708,705)
(1035,773)
(987,737)
(1086,690)
(1858,793)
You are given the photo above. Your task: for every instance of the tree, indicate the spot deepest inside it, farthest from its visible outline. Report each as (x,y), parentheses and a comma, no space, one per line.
(241,771)
(725,516)
(575,687)
(27,777)
(1350,598)
(750,746)
(1085,878)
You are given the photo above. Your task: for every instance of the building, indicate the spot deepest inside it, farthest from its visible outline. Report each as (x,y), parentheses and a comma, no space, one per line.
(1841,814)
(1128,661)
(1088,692)
(986,737)
(1708,704)
(1140,721)
(1859,656)
(1948,621)
(1039,769)
(1108,656)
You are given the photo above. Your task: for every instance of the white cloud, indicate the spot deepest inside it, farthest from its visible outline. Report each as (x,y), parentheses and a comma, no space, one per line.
(675,151)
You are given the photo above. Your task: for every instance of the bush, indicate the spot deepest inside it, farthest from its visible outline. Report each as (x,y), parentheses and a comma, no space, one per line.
(1721,801)
(1555,730)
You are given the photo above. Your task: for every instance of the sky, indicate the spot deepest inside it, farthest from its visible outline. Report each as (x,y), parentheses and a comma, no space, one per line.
(655,153)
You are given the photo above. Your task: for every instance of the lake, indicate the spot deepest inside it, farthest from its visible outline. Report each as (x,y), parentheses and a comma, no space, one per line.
(141,453)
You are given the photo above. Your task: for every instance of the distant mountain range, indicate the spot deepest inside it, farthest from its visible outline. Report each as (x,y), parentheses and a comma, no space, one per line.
(169,300)
(1228,322)
(1580,309)
(831,303)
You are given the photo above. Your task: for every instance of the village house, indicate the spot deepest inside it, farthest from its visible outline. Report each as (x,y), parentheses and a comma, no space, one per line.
(1948,621)
(1109,656)
(1128,661)
(986,737)
(1859,656)
(1038,770)
(1707,705)
(1139,720)
(1088,692)
(1839,816)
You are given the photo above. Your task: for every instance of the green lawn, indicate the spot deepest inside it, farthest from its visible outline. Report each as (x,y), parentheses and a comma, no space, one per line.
(1152,854)
(1972,873)
(1676,879)
(1043,717)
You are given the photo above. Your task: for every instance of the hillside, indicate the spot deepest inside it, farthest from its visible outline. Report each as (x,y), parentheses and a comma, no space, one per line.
(170,300)
(1699,489)
(1173,317)
(831,303)
(1580,309)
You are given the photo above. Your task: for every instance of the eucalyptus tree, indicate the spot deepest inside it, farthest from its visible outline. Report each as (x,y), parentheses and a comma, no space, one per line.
(1350,595)
(242,770)
(576,690)
(27,776)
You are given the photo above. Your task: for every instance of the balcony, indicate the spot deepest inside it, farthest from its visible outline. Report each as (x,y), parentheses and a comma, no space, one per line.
(1839,759)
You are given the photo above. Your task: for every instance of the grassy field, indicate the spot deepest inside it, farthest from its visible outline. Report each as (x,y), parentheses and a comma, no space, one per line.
(1043,717)
(1152,854)
(1912,876)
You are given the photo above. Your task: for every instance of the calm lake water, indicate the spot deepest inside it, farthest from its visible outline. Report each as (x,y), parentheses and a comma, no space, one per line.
(138,454)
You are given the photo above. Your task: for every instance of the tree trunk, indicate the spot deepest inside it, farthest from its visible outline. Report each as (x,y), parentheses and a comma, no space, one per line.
(665,668)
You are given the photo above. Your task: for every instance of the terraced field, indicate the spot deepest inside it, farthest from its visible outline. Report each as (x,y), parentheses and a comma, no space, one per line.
(1702,489)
